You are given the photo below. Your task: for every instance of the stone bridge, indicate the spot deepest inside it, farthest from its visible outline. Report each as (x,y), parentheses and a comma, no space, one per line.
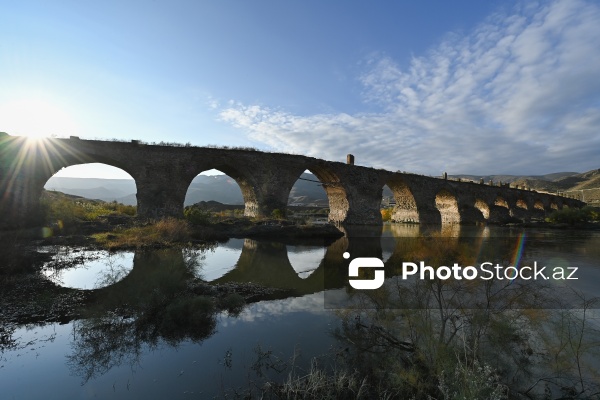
(163,174)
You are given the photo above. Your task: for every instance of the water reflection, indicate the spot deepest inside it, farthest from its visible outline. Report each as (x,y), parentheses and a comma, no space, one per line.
(220,259)
(480,339)
(156,302)
(305,259)
(305,269)
(87,269)
(162,298)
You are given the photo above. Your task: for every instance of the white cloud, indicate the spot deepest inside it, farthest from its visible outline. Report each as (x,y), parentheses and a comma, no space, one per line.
(519,94)
(263,310)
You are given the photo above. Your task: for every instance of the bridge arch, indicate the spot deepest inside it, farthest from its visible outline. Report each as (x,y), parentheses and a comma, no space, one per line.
(500,202)
(337,197)
(237,186)
(308,191)
(483,207)
(101,194)
(405,209)
(447,205)
(521,203)
(26,168)
(216,186)
(90,180)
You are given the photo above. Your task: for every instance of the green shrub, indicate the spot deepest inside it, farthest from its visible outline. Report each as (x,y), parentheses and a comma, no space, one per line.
(197,216)
(277,214)
(574,215)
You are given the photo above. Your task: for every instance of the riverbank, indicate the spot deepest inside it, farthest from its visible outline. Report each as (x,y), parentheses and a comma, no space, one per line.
(32,298)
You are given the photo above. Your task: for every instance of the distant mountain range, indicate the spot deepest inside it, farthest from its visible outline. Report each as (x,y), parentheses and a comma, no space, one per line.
(584,185)
(221,188)
(308,192)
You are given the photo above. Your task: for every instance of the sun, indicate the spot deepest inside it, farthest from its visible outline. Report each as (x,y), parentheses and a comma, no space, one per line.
(35,118)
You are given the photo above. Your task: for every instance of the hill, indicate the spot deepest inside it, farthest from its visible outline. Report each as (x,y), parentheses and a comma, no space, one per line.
(586,186)
(204,188)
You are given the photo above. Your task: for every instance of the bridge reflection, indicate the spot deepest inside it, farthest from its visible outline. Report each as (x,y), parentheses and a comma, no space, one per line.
(299,270)
(165,286)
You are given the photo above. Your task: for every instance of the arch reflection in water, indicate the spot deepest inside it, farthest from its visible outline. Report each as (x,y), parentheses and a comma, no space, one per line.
(218,260)
(268,264)
(160,301)
(87,269)
(309,269)
(305,259)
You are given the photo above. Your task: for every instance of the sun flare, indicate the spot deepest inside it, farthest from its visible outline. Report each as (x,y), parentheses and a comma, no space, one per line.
(35,118)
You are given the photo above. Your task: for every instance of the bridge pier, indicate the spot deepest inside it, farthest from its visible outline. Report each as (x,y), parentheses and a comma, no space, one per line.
(499,214)
(160,192)
(20,202)
(519,213)
(470,215)
(362,202)
(272,184)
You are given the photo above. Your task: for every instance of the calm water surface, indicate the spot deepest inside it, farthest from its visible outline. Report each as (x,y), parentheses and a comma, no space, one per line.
(103,358)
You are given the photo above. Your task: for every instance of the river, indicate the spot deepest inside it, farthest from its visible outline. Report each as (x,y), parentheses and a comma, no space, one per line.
(111,355)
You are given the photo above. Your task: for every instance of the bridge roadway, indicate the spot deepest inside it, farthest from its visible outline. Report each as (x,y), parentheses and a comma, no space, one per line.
(163,173)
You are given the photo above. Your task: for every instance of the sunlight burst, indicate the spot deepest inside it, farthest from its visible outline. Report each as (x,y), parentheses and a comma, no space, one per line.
(35,118)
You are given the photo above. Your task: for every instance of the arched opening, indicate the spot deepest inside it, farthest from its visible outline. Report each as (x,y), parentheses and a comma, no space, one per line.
(388,204)
(448,207)
(89,192)
(404,205)
(483,207)
(554,206)
(318,197)
(215,195)
(95,181)
(565,206)
(501,202)
(538,205)
(308,202)
(522,204)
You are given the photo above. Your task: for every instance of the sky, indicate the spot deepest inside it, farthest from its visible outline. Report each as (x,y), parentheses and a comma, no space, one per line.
(433,86)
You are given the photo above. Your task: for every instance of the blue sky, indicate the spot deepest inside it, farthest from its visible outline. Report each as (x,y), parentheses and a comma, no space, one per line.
(474,87)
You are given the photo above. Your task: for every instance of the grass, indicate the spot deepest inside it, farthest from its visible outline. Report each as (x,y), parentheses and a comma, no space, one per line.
(319,384)
(161,233)
(69,210)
